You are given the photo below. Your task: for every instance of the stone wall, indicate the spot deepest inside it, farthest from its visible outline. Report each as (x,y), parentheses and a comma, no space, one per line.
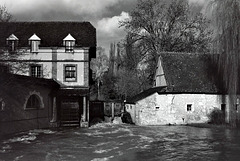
(172,108)
(14,117)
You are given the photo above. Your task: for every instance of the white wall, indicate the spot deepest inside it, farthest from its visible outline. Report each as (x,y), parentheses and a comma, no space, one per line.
(45,57)
(173,108)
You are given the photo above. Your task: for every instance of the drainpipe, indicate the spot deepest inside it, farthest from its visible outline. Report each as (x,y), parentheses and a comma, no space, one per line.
(84,109)
(54,112)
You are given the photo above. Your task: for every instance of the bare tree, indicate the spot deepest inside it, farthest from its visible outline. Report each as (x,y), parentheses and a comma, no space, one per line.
(99,66)
(5,16)
(166,25)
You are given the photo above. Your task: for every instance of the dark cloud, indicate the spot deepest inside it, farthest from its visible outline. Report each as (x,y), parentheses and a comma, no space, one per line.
(103,14)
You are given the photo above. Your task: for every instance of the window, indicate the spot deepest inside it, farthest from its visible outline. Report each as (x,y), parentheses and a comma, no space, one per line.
(33,102)
(2,105)
(36,71)
(34,46)
(34,41)
(223,107)
(189,107)
(69,46)
(12,42)
(69,43)
(70,73)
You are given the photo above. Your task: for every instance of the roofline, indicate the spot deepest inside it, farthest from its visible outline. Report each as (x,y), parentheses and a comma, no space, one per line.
(160,93)
(164,93)
(39,81)
(50,22)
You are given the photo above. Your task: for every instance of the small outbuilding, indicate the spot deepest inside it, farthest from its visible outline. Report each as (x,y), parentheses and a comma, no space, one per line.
(186,90)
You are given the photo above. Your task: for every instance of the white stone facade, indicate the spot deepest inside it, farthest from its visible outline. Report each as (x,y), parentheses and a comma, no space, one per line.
(163,109)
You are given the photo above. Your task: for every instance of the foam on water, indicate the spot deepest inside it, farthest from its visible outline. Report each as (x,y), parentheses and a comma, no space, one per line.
(18,158)
(5,148)
(24,139)
(29,136)
(44,131)
(105,150)
(103,159)
(101,125)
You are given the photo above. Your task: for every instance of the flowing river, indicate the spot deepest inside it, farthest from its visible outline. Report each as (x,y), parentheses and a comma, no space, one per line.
(105,141)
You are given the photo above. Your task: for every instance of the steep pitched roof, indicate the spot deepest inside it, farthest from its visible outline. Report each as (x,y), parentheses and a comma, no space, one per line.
(191,73)
(50,33)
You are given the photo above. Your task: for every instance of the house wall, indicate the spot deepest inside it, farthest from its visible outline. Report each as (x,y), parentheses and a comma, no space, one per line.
(14,117)
(53,61)
(172,108)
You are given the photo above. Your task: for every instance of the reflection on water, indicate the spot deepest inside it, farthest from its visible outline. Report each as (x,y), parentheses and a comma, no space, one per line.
(106,141)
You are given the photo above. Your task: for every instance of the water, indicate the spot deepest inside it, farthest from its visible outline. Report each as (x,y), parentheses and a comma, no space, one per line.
(114,142)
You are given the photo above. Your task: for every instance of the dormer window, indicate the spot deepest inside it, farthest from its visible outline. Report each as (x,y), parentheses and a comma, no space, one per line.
(12,42)
(69,43)
(34,42)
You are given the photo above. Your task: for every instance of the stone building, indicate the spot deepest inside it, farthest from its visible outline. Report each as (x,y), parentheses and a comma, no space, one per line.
(186,90)
(60,51)
(25,103)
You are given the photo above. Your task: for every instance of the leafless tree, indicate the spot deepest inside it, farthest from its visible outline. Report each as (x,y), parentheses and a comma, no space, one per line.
(5,16)
(99,66)
(166,25)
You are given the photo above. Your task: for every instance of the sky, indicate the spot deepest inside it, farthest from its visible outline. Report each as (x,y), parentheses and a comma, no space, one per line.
(103,14)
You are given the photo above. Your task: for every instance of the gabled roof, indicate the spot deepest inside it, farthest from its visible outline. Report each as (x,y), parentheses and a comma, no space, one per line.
(191,73)
(12,37)
(51,33)
(34,37)
(187,73)
(69,38)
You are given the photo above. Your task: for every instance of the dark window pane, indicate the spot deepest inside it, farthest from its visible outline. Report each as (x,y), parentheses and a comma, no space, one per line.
(189,107)
(36,71)
(70,73)
(69,46)
(223,107)
(33,102)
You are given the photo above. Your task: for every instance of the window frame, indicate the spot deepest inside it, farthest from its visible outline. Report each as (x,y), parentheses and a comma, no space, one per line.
(223,107)
(12,43)
(36,71)
(69,46)
(64,72)
(191,107)
(38,97)
(34,44)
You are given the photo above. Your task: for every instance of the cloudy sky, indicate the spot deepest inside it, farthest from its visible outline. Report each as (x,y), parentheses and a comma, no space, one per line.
(103,14)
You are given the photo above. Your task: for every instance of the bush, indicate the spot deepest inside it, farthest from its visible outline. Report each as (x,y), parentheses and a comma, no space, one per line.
(217,116)
(126,118)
